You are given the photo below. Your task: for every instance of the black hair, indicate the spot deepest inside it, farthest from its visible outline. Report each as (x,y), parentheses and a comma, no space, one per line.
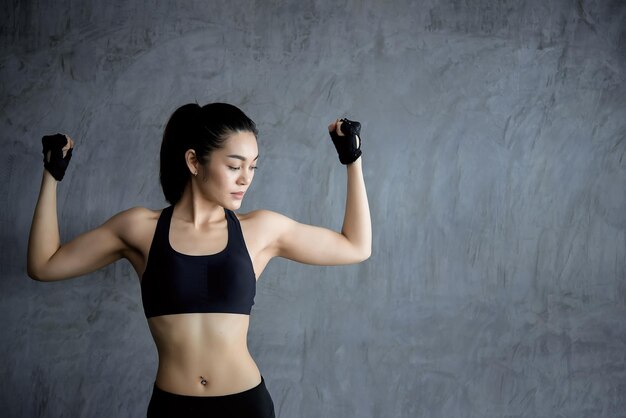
(203,129)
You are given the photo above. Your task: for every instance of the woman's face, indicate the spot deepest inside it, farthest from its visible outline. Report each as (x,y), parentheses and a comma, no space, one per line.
(230,170)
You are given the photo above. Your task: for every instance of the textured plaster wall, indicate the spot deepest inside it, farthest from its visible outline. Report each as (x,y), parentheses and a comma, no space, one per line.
(494,157)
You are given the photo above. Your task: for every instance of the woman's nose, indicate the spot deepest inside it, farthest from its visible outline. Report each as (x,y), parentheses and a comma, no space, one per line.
(244,178)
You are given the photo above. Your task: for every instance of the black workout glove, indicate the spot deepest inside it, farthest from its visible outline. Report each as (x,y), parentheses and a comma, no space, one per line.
(57,164)
(349,146)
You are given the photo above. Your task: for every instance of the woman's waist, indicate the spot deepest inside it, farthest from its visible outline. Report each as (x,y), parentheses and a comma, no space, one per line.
(190,334)
(213,374)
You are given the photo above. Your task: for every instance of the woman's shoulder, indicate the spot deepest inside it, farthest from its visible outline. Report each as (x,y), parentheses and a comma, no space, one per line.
(262,216)
(135,222)
(264,221)
(138,214)
(263,228)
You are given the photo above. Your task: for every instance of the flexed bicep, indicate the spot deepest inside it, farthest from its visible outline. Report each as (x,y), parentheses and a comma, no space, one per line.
(87,252)
(310,244)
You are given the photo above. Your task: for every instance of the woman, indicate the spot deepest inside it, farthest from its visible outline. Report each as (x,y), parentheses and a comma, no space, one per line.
(198,261)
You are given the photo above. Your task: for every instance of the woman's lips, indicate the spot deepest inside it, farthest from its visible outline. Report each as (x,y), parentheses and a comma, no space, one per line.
(238,195)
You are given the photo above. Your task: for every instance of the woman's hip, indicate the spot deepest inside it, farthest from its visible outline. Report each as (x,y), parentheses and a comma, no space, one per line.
(254,403)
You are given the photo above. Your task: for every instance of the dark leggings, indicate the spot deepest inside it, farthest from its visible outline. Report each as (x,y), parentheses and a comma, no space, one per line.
(251,403)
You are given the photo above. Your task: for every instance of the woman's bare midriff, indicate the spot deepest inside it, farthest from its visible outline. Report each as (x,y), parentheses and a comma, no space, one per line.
(204,354)
(196,346)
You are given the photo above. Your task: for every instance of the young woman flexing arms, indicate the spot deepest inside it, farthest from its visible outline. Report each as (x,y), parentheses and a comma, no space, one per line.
(198,260)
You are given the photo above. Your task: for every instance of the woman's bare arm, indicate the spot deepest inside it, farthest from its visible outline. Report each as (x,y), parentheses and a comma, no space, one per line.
(312,244)
(317,245)
(48,260)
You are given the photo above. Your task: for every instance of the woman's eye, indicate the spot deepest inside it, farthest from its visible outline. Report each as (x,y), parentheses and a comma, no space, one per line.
(233,168)
(254,168)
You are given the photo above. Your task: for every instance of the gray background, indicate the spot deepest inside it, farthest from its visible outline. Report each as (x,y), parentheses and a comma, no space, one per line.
(494,159)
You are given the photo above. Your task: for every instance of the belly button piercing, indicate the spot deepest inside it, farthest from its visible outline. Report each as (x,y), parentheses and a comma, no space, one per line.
(202,381)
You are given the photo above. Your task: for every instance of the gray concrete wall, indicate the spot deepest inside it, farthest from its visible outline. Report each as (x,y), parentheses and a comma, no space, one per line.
(494,157)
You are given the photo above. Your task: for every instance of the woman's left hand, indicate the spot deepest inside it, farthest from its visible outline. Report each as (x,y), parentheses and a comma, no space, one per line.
(348,143)
(336,127)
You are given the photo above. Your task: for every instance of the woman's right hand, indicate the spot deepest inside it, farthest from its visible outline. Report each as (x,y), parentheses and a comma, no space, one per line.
(57,151)
(68,145)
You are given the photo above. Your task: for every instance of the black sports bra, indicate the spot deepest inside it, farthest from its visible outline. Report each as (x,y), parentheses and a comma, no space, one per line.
(175,283)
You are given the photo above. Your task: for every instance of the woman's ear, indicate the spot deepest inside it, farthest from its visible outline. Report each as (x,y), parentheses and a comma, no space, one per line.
(192,162)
